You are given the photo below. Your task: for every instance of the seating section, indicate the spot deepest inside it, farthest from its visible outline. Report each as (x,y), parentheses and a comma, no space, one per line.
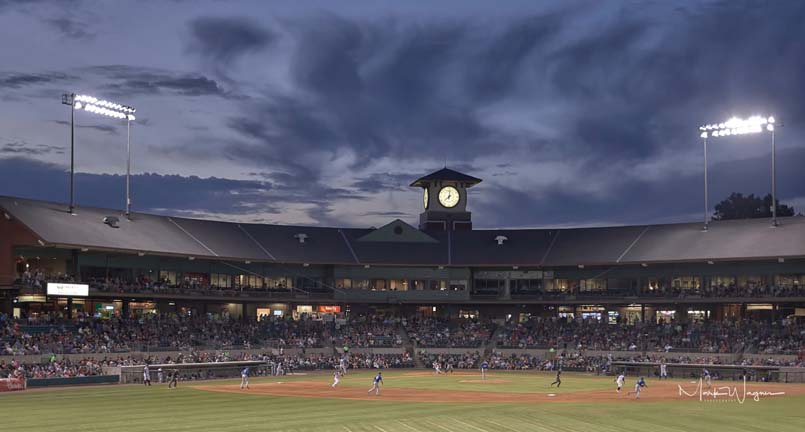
(435,332)
(778,337)
(369,332)
(313,344)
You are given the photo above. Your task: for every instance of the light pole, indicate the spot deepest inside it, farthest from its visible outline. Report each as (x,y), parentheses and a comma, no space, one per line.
(737,126)
(770,127)
(706,200)
(109,109)
(69,99)
(129,118)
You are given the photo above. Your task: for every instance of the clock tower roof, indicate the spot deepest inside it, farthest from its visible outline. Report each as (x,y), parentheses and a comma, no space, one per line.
(446,174)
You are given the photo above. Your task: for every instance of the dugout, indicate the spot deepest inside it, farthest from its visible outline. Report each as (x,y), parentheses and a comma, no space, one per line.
(196,371)
(719,371)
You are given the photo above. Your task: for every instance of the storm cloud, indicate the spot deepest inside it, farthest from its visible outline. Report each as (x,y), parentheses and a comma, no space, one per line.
(573,113)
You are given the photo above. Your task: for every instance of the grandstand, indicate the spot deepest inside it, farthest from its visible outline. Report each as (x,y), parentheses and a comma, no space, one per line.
(103,290)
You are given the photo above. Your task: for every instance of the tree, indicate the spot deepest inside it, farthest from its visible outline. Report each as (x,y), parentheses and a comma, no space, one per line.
(738,206)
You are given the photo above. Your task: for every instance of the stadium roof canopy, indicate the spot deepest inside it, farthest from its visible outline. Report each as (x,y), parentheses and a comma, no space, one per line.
(735,240)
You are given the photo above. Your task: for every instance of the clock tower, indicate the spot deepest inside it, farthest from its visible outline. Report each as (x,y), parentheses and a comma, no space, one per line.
(445,200)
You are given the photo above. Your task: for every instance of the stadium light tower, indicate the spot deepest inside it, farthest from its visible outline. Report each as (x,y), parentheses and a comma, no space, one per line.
(106,108)
(737,126)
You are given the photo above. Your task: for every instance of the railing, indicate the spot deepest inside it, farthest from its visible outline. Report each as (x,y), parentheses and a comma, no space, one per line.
(613,294)
(401,296)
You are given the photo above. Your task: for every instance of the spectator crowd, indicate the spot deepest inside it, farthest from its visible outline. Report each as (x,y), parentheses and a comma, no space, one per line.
(779,337)
(436,332)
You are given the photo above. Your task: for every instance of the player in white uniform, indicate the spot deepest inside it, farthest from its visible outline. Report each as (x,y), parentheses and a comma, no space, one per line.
(621,378)
(437,368)
(146,376)
(663,369)
(336,378)
(708,380)
(244,378)
(343,365)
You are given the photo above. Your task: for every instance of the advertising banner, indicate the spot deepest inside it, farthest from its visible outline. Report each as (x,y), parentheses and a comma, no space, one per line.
(12,384)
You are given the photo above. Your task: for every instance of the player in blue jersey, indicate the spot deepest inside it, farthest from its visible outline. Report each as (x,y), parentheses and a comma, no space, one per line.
(484,367)
(637,387)
(244,378)
(708,380)
(376,384)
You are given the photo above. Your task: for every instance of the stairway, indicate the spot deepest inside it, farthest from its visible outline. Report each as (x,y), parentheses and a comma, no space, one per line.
(492,343)
(409,346)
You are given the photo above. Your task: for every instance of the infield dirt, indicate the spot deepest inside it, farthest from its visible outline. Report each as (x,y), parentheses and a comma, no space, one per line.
(659,391)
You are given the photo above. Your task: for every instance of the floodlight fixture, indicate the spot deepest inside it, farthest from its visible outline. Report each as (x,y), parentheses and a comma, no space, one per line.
(740,126)
(106,108)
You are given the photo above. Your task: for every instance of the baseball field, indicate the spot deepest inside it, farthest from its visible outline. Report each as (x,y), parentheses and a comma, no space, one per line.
(409,401)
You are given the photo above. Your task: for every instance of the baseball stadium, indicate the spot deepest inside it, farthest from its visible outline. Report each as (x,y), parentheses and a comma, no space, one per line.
(113,320)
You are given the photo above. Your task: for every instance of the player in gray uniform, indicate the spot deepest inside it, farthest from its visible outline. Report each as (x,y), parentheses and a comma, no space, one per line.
(146,375)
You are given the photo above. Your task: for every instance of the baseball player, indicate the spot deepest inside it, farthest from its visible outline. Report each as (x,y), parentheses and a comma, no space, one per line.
(708,380)
(621,378)
(638,385)
(343,365)
(336,378)
(558,380)
(376,384)
(484,367)
(663,369)
(146,376)
(437,368)
(174,382)
(244,378)
(449,368)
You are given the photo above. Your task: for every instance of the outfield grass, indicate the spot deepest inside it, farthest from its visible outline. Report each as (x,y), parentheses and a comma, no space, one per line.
(138,408)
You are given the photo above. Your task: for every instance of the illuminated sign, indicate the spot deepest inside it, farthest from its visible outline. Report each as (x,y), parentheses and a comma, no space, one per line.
(67,290)
(330,309)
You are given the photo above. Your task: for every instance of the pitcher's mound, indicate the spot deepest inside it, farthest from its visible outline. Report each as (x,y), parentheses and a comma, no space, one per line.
(489,381)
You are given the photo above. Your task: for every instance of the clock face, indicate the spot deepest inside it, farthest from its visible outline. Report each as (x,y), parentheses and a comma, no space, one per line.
(448,197)
(426,198)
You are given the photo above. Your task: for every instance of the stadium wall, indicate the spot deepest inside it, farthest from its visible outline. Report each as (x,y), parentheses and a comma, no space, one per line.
(89,380)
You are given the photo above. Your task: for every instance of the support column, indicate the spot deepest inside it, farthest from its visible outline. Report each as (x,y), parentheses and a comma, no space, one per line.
(73,269)
(69,308)
(642,312)
(507,291)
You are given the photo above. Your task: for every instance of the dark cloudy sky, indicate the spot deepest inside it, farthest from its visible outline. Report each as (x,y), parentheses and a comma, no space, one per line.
(322,112)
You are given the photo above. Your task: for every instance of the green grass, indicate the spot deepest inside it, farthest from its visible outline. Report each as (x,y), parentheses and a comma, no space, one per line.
(136,408)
